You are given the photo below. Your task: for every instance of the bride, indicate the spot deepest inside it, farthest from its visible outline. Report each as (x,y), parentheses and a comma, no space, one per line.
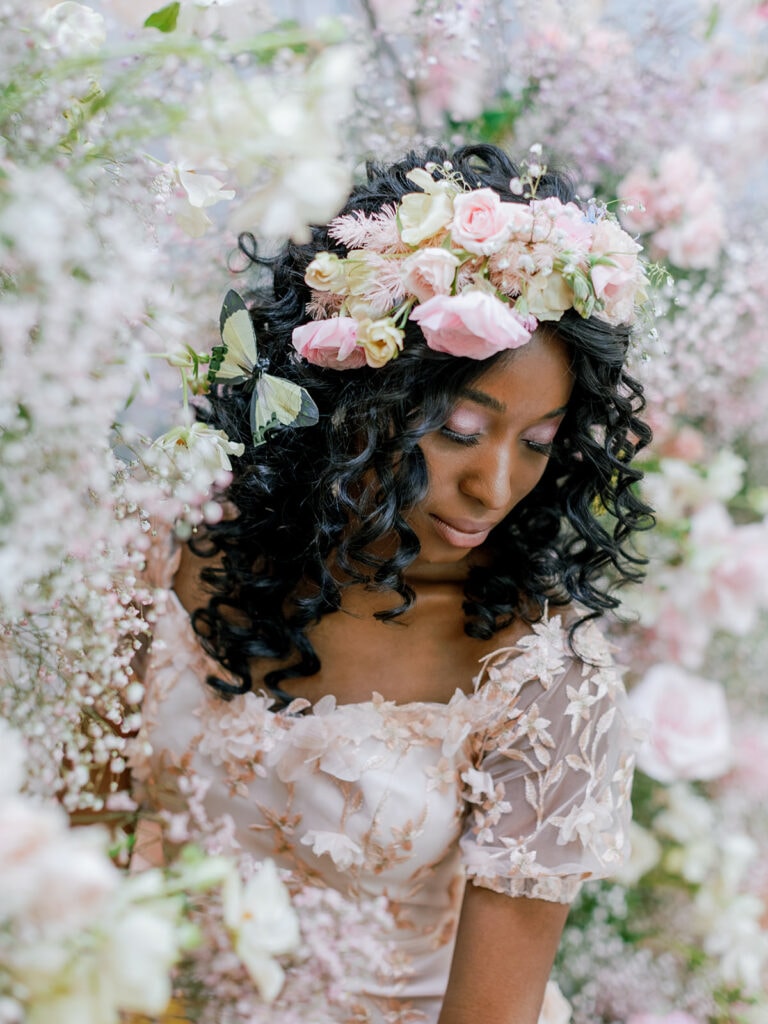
(384,660)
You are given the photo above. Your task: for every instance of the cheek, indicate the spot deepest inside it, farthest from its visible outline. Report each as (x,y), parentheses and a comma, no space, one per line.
(444,468)
(531,477)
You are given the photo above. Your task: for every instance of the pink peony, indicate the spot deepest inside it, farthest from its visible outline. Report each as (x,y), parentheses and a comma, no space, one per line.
(474,324)
(331,343)
(481,222)
(689,730)
(429,272)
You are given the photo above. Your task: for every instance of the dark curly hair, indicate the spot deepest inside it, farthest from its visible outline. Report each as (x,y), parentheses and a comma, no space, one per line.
(312,503)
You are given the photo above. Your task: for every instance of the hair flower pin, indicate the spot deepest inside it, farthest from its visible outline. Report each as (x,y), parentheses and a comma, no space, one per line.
(477,273)
(275,401)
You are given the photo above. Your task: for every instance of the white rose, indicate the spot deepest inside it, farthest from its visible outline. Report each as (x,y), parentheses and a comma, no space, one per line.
(644,855)
(423,214)
(555,1009)
(135,966)
(689,732)
(687,818)
(73,28)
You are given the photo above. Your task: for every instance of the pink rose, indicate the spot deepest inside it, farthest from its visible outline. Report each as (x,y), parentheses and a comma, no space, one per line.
(331,343)
(689,735)
(481,222)
(429,272)
(621,282)
(474,324)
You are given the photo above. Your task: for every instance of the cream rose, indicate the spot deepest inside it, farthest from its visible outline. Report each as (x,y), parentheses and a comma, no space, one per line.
(423,214)
(689,731)
(326,273)
(481,222)
(429,272)
(380,340)
(548,296)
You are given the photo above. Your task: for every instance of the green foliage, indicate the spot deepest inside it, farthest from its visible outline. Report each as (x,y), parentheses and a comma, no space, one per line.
(165,19)
(497,123)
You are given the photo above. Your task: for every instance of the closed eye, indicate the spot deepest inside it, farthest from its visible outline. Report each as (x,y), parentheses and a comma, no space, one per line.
(468,440)
(542,447)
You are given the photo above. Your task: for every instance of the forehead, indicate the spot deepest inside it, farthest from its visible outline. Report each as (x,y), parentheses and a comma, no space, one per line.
(535,378)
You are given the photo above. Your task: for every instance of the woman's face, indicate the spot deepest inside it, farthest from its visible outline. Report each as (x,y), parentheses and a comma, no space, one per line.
(492,450)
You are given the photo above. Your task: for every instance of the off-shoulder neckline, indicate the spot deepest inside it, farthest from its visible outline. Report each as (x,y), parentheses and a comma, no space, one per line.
(533,638)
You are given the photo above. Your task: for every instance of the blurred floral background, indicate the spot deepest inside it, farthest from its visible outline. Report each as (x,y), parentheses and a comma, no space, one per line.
(136,143)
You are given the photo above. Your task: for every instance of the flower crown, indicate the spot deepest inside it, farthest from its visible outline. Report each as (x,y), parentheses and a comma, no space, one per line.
(475,273)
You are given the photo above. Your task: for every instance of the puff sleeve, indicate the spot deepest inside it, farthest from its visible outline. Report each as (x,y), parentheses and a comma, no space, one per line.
(550,796)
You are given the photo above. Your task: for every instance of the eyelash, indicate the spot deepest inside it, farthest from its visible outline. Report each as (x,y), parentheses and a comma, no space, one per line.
(470,440)
(541,448)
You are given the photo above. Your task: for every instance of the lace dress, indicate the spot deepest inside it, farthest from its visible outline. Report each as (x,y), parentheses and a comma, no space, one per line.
(521,786)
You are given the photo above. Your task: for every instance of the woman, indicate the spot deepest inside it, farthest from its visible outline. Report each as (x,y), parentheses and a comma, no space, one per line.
(395,683)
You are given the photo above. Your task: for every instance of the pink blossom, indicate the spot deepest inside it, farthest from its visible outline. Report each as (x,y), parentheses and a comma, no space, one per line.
(474,324)
(676,1017)
(429,272)
(749,773)
(481,222)
(638,191)
(681,209)
(453,85)
(734,559)
(684,442)
(569,228)
(689,730)
(331,343)
(697,240)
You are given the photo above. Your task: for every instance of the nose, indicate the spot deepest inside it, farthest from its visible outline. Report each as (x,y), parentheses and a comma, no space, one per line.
(489,478)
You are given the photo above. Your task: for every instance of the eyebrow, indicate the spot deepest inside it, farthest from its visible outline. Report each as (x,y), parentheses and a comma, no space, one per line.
(488,402)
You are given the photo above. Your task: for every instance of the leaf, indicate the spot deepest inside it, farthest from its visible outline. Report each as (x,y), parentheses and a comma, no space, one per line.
(165,19)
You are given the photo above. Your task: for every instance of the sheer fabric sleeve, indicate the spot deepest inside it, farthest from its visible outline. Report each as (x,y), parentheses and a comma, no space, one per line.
(550,796)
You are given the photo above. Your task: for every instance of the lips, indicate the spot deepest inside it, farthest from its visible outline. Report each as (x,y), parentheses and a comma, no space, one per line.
(461,533)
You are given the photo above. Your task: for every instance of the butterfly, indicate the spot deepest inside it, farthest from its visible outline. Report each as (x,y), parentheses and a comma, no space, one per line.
(275,402)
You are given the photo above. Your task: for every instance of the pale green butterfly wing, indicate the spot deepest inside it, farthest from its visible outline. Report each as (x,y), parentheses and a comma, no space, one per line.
(235,360)
(277,402)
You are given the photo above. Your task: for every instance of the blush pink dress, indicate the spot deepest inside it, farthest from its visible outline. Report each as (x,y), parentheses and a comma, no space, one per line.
(521,786)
